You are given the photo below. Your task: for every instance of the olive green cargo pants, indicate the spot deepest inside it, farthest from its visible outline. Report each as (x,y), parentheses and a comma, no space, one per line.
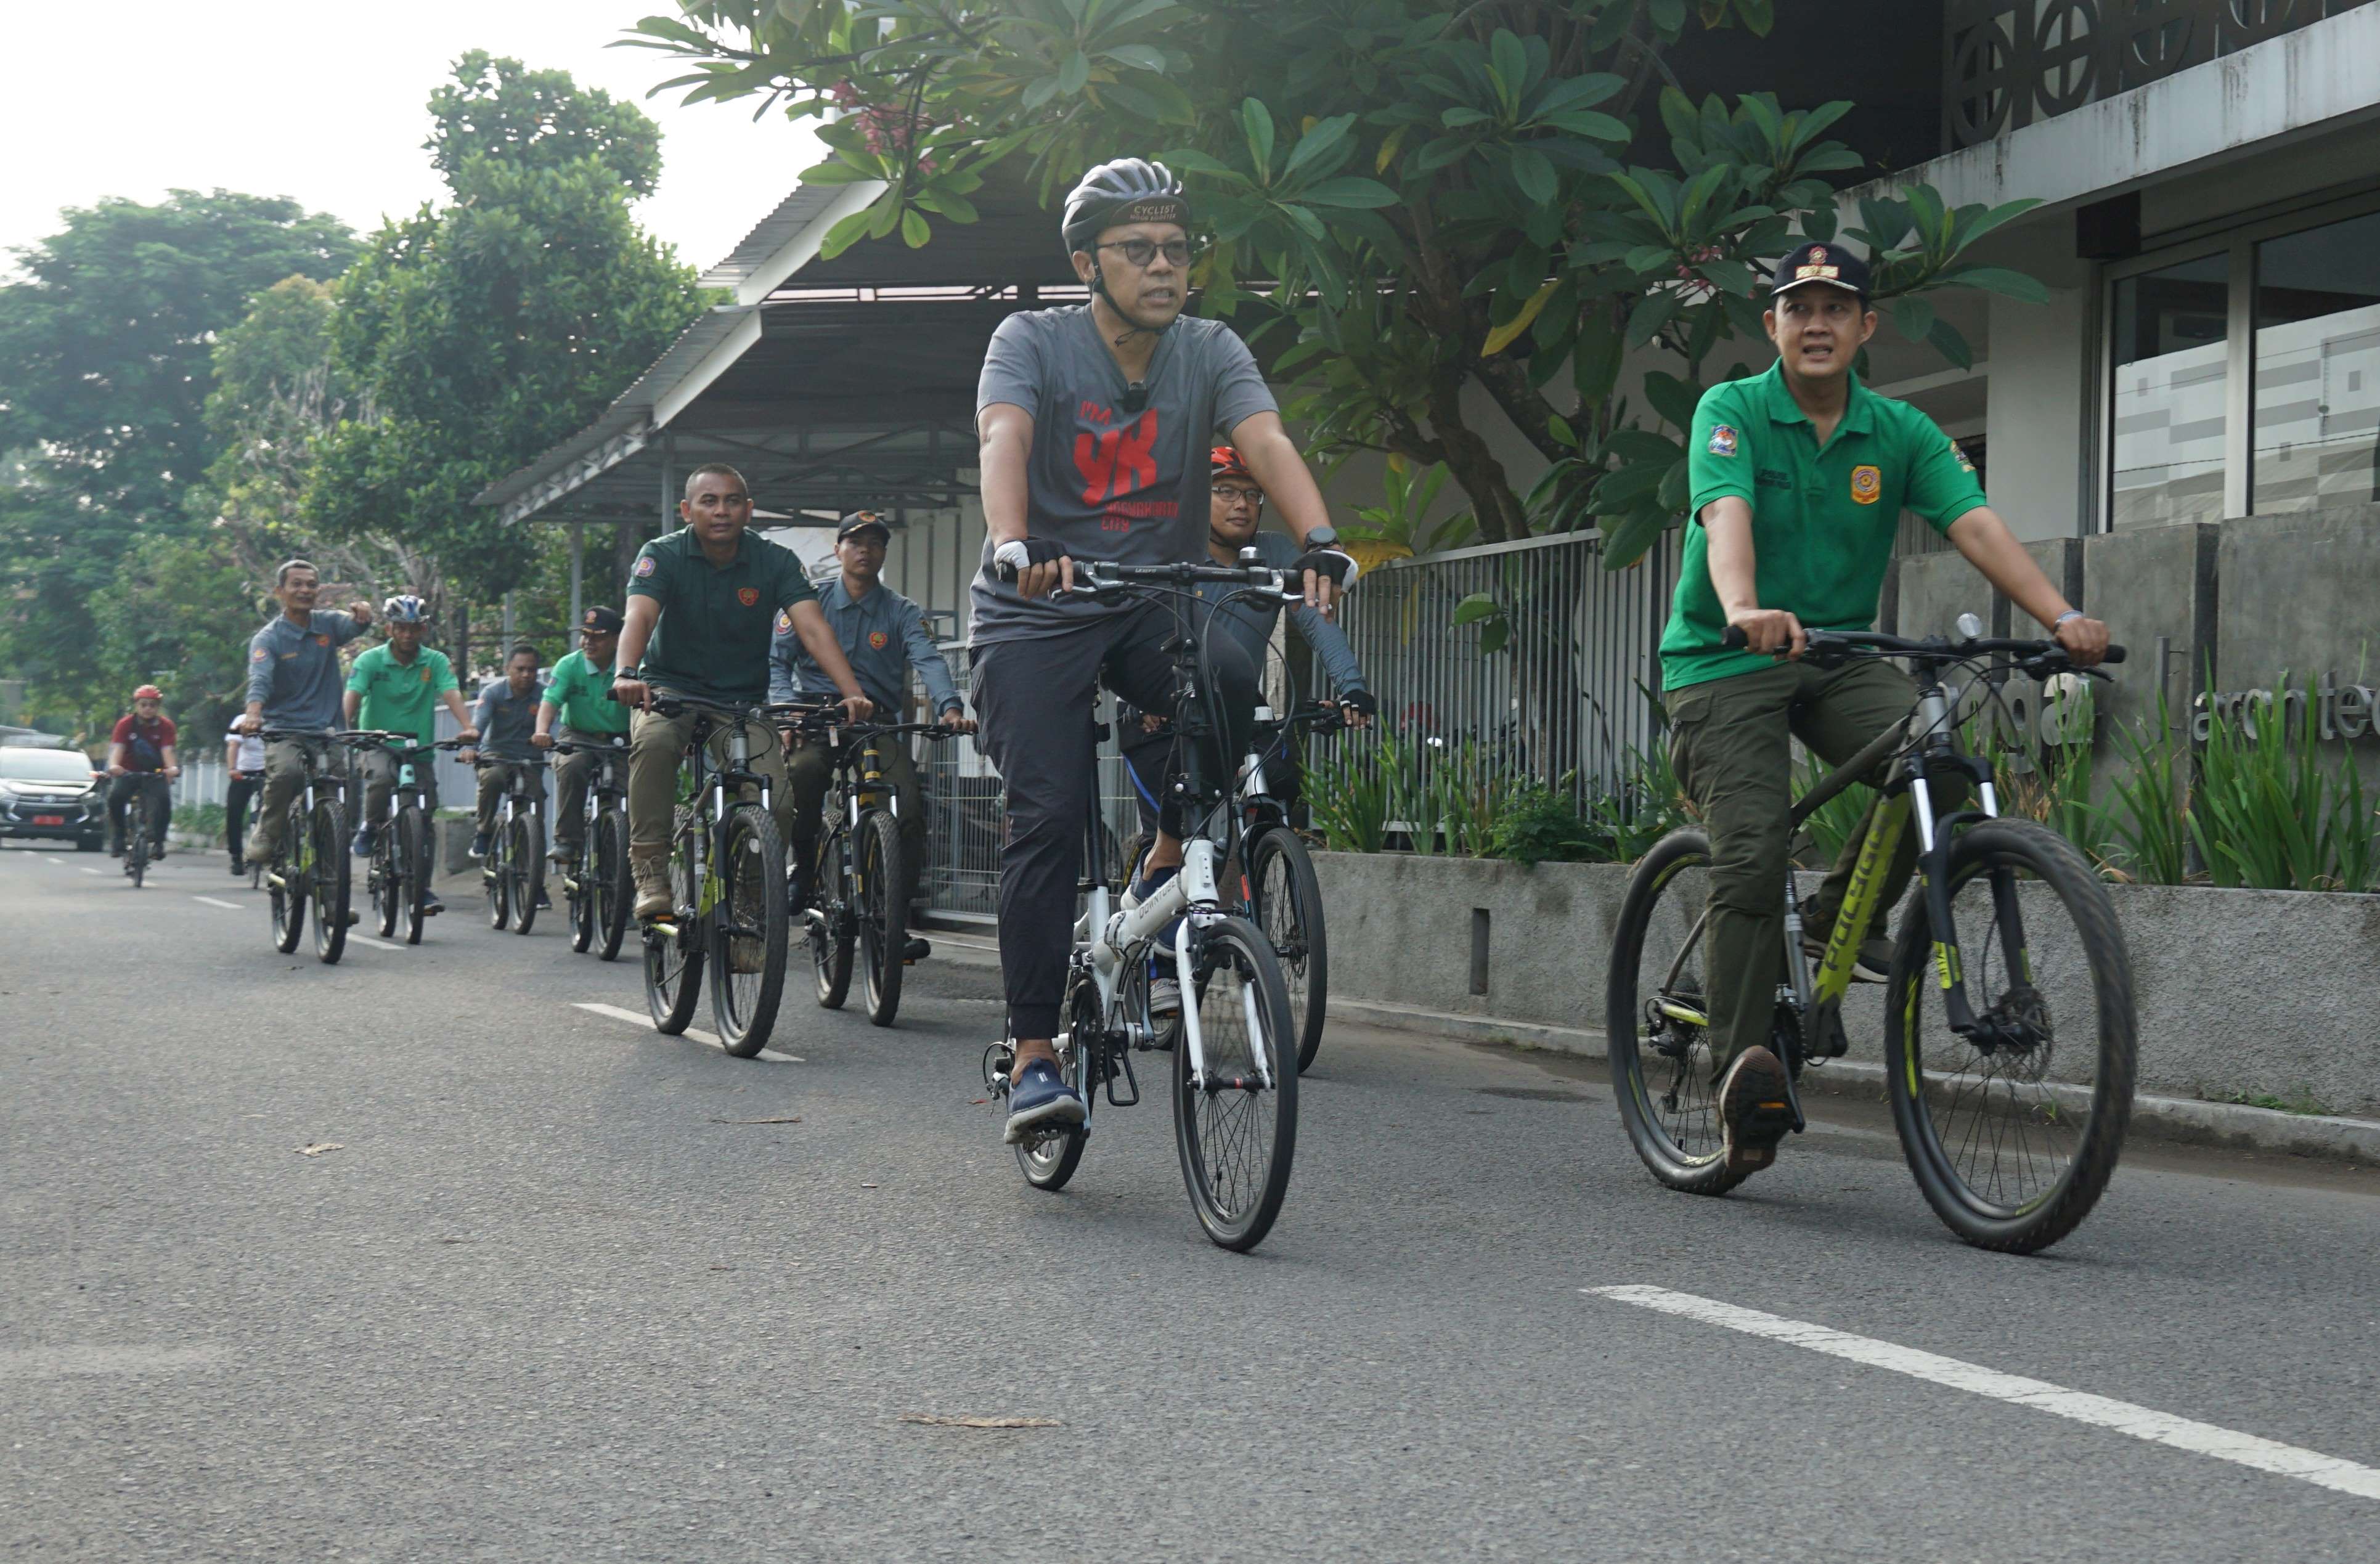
(1728,740)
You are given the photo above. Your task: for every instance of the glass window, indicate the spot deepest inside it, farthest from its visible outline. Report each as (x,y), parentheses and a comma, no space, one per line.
(2317,425)
(2168,410)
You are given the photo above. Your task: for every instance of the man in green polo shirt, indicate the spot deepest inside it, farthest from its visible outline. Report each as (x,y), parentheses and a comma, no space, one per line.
(579,692)
(1799,479)
(395,687)
(702,605)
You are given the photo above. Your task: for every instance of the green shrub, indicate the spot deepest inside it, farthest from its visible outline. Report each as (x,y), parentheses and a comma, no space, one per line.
(1543,824)
(199,820)
(2147,811)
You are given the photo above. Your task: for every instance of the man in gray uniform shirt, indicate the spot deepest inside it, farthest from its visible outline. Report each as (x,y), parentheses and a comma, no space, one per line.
(505,716)
(884,636)
(295,681)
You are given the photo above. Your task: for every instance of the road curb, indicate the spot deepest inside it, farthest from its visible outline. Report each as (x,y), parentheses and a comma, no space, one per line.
(2182,1121)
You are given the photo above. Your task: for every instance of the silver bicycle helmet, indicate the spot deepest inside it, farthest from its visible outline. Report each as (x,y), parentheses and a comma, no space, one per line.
(404,609)
(1127,191)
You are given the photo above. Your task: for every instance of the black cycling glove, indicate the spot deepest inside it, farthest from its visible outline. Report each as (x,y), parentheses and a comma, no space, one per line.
(1337,569)
(1017,553)
(1360,701)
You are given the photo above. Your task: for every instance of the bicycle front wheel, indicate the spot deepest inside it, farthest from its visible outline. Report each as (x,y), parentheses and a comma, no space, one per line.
(286,888)
(674,945)
(1288,901)
(612,893)
(1050,1159)
(528,868)
(136,856)
(1656,1030)
(381,886)
(748,931)
(497,876)
(412,874)
(884,921)
(331,881)
(578,887)
(1236,1124)
(2014,1135)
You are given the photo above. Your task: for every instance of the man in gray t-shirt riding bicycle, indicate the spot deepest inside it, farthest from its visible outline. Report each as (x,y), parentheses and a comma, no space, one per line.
(1095,422)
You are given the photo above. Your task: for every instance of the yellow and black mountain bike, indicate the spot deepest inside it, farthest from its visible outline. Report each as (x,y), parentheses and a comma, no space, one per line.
(2010,1031)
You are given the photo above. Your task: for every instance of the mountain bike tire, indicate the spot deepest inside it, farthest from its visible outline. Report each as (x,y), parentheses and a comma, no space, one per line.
(494,874)
(1662,1067)
(381,884)
(884,920)
(527,870)
(748,931)
(412,872)
(674,954)
(1287,900)
(2016,1173)
(1051,1159)
(288,901)
(578,887)
(614,891)
(827,929)
(136,857)
(332,881)
(1236,1136)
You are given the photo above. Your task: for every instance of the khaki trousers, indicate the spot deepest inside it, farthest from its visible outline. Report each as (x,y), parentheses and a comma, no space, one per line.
(810,770)
(285,773)
(655,743)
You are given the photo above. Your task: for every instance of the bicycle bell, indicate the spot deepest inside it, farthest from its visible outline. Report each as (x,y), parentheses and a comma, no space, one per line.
(1969,627)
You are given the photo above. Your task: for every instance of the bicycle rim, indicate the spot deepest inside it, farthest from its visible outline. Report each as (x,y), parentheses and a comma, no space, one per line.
(2012,1144)
(827,926)
(288,903)
(1289,909)
(1656,1000)
(330,882)
(1237,1129)
(748,932)
(1049,1160)
(674,950)
(883,930)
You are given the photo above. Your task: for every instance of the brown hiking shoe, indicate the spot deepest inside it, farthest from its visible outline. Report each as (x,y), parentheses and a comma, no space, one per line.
(1754,1110)
(650,866)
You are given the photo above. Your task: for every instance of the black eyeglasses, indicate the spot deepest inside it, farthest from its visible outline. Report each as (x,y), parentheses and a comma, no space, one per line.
(1140,253)
(1231,495)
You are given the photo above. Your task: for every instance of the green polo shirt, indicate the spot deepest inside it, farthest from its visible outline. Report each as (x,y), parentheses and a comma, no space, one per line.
(1823,520)
(583,696)
(713,640)
(400,697)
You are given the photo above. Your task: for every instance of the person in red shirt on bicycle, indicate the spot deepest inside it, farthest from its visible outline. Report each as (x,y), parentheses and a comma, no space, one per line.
(140,760)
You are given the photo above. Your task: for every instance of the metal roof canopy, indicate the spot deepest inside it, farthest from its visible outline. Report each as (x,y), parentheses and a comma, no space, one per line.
(830,384)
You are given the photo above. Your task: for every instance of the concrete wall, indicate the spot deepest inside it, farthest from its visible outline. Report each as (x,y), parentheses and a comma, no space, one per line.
(2240,993)
(2037,418)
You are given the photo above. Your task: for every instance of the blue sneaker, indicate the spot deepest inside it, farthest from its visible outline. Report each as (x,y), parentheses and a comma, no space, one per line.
(362,845)
(1039,1099)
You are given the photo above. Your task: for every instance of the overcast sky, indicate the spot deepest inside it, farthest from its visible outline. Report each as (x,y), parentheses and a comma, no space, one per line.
(323,102)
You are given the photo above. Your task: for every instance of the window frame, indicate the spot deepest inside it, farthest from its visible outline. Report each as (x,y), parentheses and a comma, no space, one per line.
(2235,239)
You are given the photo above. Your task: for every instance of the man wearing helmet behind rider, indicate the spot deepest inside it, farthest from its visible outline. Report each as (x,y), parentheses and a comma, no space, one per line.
(1095,422)
(140,760)
(396,687)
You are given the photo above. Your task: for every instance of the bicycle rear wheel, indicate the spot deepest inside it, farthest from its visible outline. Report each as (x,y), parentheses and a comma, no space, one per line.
(288,897)
(496,875)
(748,931)
(2013,1142)
(884,921)
(1237,1128)
(412,871)
(1656,1029)
(1050,1159)
(674,945)
(827,924)
(331,881)
(527,849)
(1288,901)
(614,894)
(578,887)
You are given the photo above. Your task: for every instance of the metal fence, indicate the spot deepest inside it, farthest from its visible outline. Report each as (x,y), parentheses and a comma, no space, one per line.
(1557,680)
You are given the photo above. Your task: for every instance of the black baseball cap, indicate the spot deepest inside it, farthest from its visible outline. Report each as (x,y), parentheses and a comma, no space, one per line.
(860,521)
(602,621)
(1828,263)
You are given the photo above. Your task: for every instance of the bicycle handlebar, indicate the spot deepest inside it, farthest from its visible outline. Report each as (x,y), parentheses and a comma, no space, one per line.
(1096,579)
(1933,649)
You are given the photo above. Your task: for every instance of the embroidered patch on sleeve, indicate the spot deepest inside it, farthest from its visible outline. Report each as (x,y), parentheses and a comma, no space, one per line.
(784,621)
(645,565)
(1868,485)
(1723,440)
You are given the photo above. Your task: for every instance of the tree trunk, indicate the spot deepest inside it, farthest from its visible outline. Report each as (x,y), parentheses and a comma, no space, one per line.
(1473,465)
(463,644)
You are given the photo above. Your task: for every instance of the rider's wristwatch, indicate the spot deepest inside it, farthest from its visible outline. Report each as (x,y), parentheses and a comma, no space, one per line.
(1322,537)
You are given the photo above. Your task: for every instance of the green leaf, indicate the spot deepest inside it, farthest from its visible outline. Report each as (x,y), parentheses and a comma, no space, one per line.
(1474,608)
(1072,72)
(834,171)
(1673,399)
(845,234)
(1351,192)
(914,231)
(1913,318)
(1318,141)
(1678,115)
(1652,313)
(2000,280)
(1951,344)
(1629,537)
(1494,637)
(1256,120)
(1456,118)
(1195,161)
(1139,56)
(1668,16)
(1534,175)
(1510,64)
(1504,336)
(1559,427)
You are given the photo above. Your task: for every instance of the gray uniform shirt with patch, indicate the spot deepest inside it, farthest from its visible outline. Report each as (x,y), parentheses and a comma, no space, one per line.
(296,673)
(1106,483)
(505,720)
(1250,623)
(883,635)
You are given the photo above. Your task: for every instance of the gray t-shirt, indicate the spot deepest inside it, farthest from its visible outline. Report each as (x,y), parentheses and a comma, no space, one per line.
(505,720)
(1106,483)
(296,673)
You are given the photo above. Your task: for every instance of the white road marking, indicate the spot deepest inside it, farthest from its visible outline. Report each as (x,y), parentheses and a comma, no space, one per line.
(60,862)
(86,869)
(2123,1417)
(211,902)
(53,1362)
(619,1012)
(375,944)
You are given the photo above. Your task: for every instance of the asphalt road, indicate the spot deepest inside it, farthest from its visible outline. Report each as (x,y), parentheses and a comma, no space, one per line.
(556,1294)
